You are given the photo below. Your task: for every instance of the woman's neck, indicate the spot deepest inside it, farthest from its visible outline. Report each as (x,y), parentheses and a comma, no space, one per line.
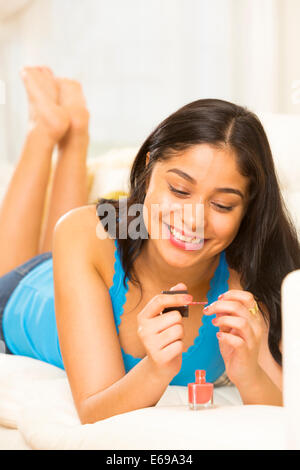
(150,265)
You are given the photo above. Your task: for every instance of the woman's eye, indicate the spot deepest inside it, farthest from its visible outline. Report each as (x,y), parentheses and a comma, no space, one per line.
(224,208)
(183,193)
(177,191)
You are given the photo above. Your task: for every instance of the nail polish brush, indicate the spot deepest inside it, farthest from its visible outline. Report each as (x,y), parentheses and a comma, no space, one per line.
(184,309)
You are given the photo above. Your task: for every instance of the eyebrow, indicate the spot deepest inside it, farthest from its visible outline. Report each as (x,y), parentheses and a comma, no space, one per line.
(190,179)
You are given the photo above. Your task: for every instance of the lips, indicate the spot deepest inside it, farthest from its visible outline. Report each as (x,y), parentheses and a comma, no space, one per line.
(184,245)
(185,234)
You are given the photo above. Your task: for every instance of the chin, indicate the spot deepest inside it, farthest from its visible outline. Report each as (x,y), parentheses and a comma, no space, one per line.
(176,257)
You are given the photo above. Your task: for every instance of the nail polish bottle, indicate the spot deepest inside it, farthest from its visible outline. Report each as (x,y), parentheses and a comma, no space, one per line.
(200,393)
(183,309)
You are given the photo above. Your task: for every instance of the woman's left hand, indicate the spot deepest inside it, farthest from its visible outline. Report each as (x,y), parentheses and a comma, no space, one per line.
(239,336)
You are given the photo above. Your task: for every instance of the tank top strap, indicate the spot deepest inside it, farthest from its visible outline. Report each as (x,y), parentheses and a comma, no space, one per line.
(219,282)
(118,291)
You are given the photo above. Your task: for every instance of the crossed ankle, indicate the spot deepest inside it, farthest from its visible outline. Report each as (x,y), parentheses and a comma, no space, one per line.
(74,138)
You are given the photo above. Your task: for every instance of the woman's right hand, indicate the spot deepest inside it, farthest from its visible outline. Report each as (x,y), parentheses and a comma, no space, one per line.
(162,335)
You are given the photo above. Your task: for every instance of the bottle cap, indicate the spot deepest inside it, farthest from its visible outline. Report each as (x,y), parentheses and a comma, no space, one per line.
(200,376)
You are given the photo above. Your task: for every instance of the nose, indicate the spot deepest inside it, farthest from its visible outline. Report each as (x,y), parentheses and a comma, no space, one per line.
(194,219)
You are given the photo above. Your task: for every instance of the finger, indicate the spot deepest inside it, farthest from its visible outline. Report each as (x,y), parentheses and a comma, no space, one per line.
(170,352)
(228,307)
(179,286)
(240,326)
(233,341)
(162,322)
(174,333)
(156,325)
(234,308)
(245,297)
(158,303)
(224,328)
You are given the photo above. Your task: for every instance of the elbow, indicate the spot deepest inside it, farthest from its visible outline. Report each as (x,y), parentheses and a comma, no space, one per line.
(86,413)
(83,414)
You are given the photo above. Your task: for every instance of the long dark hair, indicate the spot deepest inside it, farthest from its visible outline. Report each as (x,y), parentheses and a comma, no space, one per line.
(266,247)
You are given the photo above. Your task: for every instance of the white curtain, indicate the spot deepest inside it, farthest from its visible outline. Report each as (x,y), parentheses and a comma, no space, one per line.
(139,61)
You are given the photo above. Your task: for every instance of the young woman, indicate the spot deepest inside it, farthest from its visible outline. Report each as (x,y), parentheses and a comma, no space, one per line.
(81,300)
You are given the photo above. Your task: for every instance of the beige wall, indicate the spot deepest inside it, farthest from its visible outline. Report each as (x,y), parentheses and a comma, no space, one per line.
(139,61)
(290,56)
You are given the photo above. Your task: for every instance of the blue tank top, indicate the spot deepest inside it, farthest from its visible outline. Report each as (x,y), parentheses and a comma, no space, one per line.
(29,324)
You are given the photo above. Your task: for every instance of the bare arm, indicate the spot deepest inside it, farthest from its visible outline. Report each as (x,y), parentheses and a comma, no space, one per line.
(139,388)
(268,387)
(263,391)
(88,339)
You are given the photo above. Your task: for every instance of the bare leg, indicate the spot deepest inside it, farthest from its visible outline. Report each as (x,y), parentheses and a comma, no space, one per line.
(22,206)
(69,186)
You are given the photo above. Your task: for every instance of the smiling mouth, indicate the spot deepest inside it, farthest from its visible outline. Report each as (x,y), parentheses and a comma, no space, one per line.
(180,235)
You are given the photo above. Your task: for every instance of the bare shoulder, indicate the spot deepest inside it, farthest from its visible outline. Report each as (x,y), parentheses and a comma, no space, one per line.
(82,227)
(79,219)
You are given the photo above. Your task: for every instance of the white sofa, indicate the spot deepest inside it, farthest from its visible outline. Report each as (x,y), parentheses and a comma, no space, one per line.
(36,406)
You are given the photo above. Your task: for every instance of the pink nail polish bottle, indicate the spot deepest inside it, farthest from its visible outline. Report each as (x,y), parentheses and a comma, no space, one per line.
(200,393)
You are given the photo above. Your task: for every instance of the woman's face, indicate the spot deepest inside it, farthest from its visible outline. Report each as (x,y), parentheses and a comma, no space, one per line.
(184,194)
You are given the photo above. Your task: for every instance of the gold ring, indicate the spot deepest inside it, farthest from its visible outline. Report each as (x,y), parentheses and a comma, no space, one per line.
(254,310)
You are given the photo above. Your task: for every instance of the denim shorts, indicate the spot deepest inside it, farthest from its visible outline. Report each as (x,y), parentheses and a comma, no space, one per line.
(8,283)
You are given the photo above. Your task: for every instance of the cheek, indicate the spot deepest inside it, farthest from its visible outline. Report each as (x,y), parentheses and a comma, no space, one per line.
(152,213)
(159,207)
(225,226)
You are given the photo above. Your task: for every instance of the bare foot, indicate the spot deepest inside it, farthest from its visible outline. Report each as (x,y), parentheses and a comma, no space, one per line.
(44,110)
(72,100)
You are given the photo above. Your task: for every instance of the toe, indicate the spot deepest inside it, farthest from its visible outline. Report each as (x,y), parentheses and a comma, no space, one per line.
(48,70)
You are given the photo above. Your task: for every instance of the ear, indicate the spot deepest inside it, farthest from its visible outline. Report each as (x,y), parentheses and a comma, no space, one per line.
(147,158)
(146,164)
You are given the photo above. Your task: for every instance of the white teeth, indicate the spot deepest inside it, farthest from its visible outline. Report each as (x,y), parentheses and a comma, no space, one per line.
(184,238)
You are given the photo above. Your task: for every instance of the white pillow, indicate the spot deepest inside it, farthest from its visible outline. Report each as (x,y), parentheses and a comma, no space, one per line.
(36,398)
(48,421)
(18,375)
(111,171)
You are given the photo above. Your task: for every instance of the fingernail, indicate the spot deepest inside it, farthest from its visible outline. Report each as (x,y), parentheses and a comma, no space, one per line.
(188,298)
(205,309)
(177,285)
(221,296)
